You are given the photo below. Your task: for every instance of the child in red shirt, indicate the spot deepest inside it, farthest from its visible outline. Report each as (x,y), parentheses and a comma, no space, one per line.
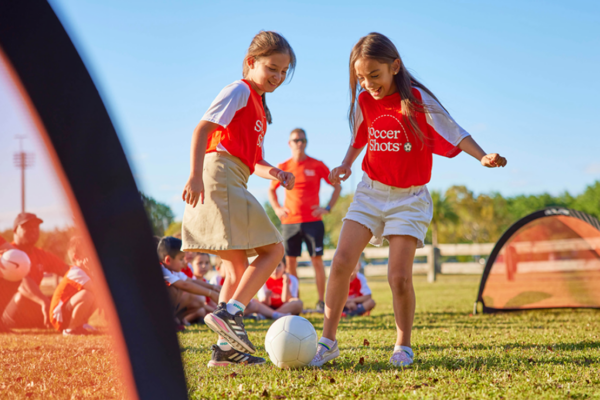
(221,216)
(359,300)
(74,301)
(279,295)
(402,125)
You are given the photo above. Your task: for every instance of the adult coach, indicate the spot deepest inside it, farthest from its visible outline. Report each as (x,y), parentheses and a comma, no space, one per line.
(29,307)
(301,214)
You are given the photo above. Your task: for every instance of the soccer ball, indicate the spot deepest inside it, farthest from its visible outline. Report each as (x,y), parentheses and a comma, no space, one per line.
(14,265)
(291,342)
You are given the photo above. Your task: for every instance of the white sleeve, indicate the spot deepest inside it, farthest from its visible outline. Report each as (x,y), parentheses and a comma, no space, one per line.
(294,286)
(441,121)
(78,275)
(231,99)
(215,280)
(182,276)
(262,293)
(169,276)
(364,286)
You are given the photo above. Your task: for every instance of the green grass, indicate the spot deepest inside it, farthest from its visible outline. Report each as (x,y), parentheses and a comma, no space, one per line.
(535,354)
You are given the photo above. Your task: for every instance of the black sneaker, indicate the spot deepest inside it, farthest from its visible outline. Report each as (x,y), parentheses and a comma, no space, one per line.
(320,307)
(222,358)
(231,327)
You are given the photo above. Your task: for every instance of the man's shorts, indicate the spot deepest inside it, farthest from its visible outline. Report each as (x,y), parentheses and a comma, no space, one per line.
(387,210)
(312,233)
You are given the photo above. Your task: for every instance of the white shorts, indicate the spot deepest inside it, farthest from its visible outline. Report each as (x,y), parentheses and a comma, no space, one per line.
(388,210)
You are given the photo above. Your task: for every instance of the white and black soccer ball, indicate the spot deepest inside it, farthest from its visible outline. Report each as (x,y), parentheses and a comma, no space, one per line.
(291,342)
(407,147)
(15,265)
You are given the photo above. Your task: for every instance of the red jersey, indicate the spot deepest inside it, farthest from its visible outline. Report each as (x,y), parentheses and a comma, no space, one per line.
(2,241)
(304,197)
(188,272)
(239,111)
(276,288)
(395,156)
(359,287)
(42,261)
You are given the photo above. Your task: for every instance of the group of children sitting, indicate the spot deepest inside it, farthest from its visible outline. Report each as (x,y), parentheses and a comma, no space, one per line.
(191,294)
(193,297)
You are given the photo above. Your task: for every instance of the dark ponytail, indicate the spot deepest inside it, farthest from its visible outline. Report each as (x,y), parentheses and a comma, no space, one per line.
(267,111)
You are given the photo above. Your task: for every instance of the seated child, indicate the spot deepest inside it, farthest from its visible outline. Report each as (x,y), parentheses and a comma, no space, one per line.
(184,292)
(73,301)
(279,295)
(200,267)
(359,296)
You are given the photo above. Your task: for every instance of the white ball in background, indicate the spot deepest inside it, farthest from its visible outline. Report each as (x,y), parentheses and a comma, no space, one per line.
(291,342)
(14,265)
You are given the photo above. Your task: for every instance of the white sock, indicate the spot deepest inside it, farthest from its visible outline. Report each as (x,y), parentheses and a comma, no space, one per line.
(405,348)
(277,315)
(234,306)
(223,344)
(327,343)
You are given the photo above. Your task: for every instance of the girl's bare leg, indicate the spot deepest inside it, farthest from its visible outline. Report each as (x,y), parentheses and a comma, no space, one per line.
(400,265)
(235,263)
(257,273)
(294,306)
(353,239)
(83,305)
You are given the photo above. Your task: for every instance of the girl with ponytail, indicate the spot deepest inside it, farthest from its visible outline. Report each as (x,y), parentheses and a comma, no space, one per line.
(221,217)
(402,124)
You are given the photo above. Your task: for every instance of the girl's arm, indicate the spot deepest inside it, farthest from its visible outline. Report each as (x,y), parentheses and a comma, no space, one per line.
(194,188)
(344,171)
(267,171)
(469,146)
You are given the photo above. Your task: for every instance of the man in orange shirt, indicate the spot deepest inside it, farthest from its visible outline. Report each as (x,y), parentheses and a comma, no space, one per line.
(301,214)
(29,307)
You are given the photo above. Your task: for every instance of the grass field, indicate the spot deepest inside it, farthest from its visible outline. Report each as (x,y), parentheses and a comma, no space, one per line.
(537,354)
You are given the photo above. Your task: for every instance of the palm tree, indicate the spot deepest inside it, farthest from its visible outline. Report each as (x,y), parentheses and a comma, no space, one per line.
(443,212)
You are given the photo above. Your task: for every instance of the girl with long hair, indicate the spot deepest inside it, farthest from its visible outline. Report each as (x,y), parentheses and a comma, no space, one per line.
(402,124)
(221,217)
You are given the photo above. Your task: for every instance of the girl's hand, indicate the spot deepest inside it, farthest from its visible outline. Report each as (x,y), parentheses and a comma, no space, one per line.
(340,173)
(493,160)
(193,191)
(287,179)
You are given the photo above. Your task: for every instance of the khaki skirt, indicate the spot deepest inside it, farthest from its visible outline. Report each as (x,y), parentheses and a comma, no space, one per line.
(230,218)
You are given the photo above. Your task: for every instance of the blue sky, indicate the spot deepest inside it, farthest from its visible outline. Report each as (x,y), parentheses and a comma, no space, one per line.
(521,76)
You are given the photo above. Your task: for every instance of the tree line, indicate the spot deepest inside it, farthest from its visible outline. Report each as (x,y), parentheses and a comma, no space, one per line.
(459,216)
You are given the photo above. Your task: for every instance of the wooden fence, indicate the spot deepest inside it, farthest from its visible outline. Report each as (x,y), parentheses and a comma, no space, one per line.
(377,260)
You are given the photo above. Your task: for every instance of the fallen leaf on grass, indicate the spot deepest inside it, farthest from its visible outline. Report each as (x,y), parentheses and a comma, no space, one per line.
(37,347)
(19,379)
(550,348)
(435,380)
(300,377)
(587,381)
(331,380)
(361,361)
(397,377)
(231,375)
(265,393)
(28,394)
(366,342)
(316,378)
(334,363)
(279,396)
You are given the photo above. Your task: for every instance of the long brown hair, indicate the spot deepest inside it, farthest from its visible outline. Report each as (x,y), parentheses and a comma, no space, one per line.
(378,47)
(264,44)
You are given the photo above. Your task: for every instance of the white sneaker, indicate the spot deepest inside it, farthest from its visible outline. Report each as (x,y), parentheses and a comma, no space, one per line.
(324,355)
(402,358)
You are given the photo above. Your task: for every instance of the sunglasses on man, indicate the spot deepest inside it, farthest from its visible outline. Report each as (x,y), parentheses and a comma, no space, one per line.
(298,140)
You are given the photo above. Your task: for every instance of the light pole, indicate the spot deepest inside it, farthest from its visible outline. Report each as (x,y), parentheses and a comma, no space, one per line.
(22,160)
